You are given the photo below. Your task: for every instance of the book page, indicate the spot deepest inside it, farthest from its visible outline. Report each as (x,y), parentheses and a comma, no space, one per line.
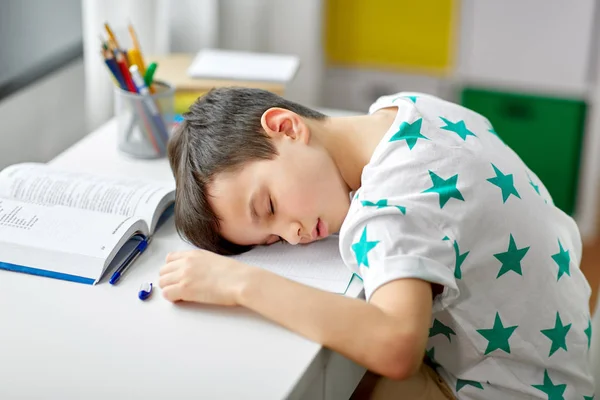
(40,184)
(317,264)
(44,237)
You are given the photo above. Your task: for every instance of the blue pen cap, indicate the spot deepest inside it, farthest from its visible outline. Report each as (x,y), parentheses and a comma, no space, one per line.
(145,291)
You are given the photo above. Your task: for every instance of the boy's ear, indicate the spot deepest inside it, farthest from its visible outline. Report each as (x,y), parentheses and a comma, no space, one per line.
(279,122)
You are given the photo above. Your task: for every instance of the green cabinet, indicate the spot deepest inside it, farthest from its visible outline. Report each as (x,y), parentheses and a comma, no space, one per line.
(545,132)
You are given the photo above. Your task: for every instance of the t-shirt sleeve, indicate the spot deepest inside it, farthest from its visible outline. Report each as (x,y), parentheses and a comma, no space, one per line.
(384,243)
(395,227)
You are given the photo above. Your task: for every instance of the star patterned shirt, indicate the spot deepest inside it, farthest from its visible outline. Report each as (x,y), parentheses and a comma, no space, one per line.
(444,200)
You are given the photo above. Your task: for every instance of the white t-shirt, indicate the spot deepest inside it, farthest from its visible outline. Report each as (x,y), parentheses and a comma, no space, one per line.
(443,199)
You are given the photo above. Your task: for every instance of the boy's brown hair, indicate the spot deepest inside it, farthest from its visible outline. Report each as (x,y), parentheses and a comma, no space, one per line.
(221,132)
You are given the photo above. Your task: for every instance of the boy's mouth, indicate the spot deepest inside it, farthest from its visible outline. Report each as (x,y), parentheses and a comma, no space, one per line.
(320,230)
(316,232)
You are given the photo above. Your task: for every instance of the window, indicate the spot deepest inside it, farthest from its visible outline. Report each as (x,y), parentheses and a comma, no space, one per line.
(37,37)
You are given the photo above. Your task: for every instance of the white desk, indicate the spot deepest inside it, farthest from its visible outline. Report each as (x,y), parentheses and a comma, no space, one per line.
(62,340)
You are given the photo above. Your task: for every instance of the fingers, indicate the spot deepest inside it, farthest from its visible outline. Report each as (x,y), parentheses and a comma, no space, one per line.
(178,259)
(174,255)
(173,265)
(169,268)
(172,293)
(181,273)
(169,279)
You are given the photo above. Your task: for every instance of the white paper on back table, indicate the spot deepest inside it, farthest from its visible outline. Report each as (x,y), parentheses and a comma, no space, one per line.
(243,66)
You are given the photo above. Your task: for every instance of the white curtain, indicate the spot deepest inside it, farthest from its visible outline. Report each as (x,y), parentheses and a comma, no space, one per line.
(164,26)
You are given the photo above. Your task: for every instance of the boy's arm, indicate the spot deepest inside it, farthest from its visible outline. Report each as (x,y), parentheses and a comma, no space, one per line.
(387,335)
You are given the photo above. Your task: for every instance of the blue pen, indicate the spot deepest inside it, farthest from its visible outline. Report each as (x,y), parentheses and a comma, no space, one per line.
(114,68)
(140,85)
(116,276)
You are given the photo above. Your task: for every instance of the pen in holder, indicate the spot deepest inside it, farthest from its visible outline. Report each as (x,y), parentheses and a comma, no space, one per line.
(145,120)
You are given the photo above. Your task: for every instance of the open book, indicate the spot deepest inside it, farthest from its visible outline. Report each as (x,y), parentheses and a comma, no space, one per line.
(71,226)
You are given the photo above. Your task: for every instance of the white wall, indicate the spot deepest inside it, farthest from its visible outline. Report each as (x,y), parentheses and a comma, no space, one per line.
(249,17)
(296,27)
(279,26)
(193,24)
(42,120)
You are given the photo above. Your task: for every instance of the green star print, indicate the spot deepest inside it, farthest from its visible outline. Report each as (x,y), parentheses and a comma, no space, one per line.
(505,183)
(411,98)
(554,392)
(431,356)
(534,186)
(588,332)
(382,203)
(439,328)
(558,335)
(409,132)
(562,259)
(511,259)
(460,383)
(460,258)
(497,336)
(589,397)
(445,188)
(362,247)
(460,128)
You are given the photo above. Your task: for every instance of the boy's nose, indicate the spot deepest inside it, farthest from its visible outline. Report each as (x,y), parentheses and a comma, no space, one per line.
(294,234)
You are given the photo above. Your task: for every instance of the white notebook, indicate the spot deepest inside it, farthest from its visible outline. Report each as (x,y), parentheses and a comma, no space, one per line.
(317,264)
(240,65)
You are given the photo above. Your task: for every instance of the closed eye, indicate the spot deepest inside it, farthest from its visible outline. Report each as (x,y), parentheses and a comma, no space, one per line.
(272,209)
(272,212)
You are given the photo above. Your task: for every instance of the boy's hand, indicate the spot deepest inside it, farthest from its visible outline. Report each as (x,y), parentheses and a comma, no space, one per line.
(202,277)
